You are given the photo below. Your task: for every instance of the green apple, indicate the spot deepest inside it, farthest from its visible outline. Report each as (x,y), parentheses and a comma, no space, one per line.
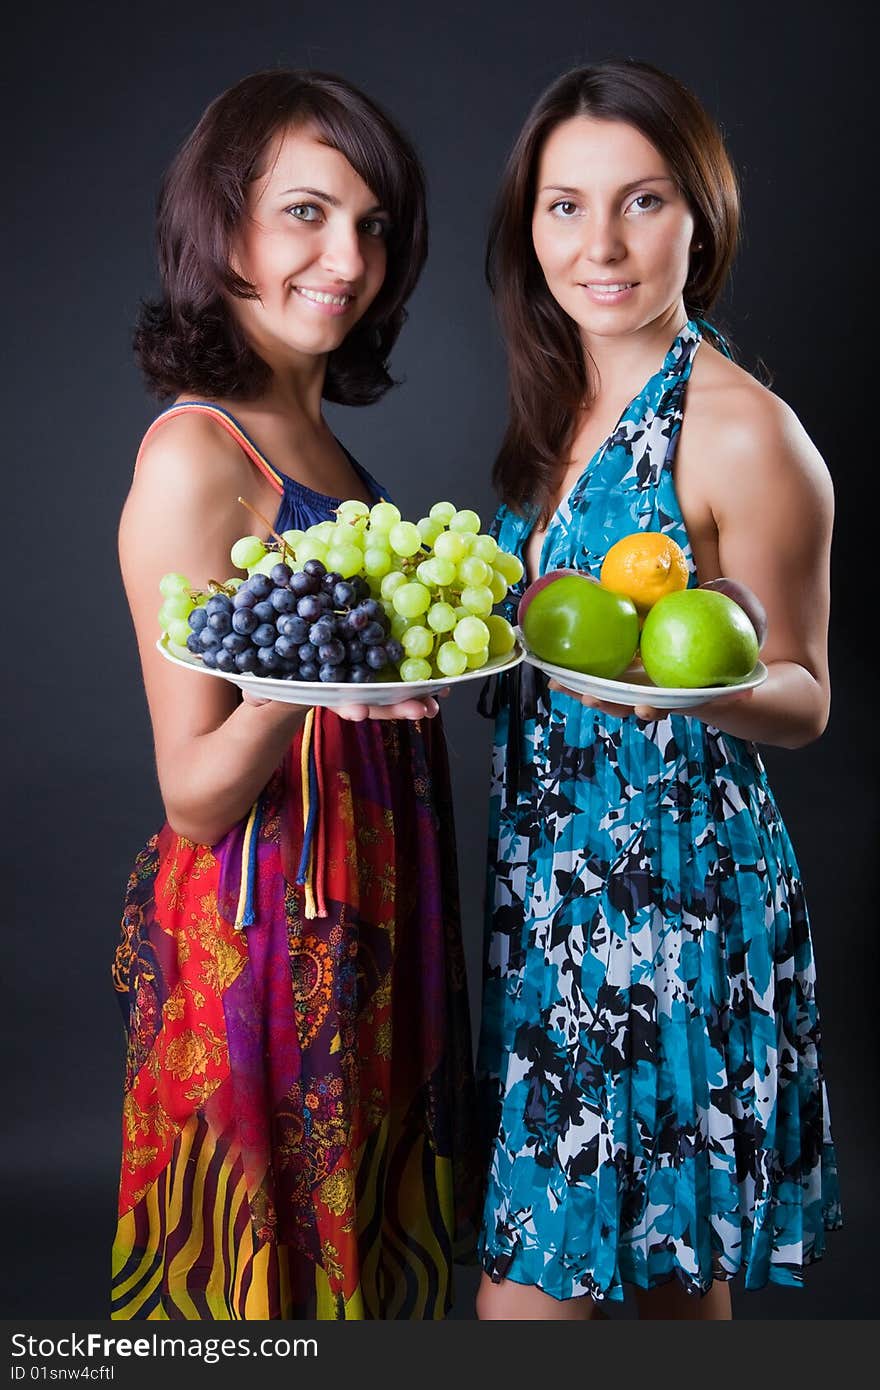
(698,637)
(541,583)
(579,624)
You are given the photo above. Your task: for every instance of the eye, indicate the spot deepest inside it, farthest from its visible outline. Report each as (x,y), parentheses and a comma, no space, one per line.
(565,208)
(305,212)
(645,202)
(378,227)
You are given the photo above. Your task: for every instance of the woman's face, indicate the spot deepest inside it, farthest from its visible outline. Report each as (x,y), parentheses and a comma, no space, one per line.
(610,228)
(312,244)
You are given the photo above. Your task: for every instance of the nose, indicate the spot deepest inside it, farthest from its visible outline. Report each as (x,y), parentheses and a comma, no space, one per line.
(603,239)
(342,254)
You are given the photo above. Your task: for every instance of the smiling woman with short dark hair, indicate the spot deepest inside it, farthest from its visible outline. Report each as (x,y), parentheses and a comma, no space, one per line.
(297,1133)
(187,340)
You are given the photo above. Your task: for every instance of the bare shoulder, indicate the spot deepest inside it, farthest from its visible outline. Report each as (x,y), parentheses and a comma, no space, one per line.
(745,437)
(181,512)
(188,475)
(188,454)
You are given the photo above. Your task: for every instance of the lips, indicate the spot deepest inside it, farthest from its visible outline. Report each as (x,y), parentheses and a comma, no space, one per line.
(323,296)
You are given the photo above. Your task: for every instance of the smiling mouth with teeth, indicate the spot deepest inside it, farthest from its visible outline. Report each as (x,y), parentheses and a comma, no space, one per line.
(611,289)
(320,297)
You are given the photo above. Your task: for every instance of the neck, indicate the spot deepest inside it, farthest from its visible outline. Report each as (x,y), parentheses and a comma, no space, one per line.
(296,385)
(614,362)
(291,395)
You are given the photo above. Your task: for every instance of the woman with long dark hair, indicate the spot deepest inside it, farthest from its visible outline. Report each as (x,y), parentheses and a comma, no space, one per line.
(650,1045)
(297,1123)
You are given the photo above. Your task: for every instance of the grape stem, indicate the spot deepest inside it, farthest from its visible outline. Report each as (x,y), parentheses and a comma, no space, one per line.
(285,548)
(213,586)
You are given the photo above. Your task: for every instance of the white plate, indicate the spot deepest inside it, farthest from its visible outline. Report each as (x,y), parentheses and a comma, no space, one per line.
(638,689)
(332,693)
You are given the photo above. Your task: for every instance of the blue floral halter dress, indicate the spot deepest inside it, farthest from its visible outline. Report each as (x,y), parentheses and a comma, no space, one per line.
(650,1052)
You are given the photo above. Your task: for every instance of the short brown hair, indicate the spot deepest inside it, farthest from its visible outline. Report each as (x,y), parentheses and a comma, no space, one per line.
(187,340)
(547,371)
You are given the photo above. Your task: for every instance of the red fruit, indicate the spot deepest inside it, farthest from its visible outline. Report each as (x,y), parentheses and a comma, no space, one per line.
(538,584)
(748,601)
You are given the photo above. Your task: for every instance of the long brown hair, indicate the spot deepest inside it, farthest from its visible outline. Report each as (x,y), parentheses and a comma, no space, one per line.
(548,381)
(187,340)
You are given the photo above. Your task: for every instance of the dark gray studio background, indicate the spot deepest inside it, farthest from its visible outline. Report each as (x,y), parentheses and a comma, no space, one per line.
(100,96)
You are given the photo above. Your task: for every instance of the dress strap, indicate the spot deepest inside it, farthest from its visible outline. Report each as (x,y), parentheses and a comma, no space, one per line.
(671,403)
(232,427)
(715,336)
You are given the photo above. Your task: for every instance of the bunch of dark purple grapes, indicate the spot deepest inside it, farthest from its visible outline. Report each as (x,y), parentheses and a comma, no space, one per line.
(303,625)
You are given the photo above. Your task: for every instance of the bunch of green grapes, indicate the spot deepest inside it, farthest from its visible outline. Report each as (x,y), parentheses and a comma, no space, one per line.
(438,578)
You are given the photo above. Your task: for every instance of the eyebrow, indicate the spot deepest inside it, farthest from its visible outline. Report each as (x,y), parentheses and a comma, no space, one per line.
(328,198)
(627,187)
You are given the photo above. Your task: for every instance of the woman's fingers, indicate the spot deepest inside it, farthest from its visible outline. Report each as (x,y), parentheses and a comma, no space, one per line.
(607,707)
(554,684)
(591,702)
(353,713)
(423,708)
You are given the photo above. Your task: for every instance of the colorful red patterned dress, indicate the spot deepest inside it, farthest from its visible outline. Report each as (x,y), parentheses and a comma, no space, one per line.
(297,1126)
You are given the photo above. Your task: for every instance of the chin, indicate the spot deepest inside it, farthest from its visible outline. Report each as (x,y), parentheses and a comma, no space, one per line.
(331,330)
(616,322)
(326,342)
(317,344)
(610,323)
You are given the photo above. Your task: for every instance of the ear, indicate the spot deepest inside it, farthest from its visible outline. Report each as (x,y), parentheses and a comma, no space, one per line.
(235,259)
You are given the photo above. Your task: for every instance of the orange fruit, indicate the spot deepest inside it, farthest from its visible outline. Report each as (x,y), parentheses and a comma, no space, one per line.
(645,566)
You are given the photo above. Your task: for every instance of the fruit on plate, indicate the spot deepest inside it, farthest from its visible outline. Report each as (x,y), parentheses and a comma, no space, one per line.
(309,626)
(579,624)
(367,596)
(541,583)
(697,637)
(748,601)
(645,566)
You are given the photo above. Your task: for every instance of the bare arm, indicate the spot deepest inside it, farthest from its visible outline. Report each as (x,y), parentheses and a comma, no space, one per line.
(214,754)
(771,500)
(771,496)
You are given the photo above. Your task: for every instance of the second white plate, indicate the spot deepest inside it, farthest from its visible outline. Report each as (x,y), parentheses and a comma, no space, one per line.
(637,688)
